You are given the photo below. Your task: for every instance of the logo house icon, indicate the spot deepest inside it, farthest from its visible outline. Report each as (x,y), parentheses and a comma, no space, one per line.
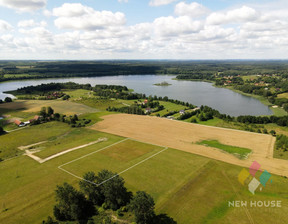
(245,176)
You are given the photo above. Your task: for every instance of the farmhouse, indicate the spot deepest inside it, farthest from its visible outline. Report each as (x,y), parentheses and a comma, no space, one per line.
(19,123)
(182,112)
(148,110)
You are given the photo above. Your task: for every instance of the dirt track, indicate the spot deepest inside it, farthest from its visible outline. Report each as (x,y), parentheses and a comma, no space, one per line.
(182,135)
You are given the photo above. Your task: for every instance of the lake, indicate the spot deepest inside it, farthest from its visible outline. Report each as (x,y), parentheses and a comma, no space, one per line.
(197,93)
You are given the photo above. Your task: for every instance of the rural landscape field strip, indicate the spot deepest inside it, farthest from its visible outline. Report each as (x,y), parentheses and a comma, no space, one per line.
(38,159)
(119,173)
(183,136)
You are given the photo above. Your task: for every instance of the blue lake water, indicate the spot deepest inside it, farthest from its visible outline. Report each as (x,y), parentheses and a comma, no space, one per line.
(197,93)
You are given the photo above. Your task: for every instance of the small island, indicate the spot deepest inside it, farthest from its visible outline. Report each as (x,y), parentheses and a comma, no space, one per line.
(163,84)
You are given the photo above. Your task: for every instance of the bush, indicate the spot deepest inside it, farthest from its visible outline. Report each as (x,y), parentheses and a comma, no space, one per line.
(194,120)
(8,99)
(119,213)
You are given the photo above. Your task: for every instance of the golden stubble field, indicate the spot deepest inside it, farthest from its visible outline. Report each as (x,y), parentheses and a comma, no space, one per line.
(184,136)
(59,106)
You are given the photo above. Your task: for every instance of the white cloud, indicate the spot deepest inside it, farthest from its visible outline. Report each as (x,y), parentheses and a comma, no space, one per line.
(167,26)
(4,26)
(79,17)
(31,23)
(244,14)
(72,10)
(193,10)
(161,2)
(123,1)
(24,5)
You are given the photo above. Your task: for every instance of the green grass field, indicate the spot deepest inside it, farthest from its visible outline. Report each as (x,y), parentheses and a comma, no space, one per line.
(189,188)
(169,107)
(68,140)
(30,135)
(242,153)
(282,95)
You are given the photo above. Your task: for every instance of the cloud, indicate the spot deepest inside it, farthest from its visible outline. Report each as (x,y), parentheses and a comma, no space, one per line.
(167,26)
(193,10)
(123,1)
(31,23)
(80,17)
(4,26)
(161,2)
(244,14)
(24,5)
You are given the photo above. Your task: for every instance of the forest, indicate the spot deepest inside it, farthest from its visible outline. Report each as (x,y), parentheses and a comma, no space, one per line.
(207,70)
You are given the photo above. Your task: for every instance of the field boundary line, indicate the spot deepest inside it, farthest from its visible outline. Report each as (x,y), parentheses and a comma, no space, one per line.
(121,172)
(236,193)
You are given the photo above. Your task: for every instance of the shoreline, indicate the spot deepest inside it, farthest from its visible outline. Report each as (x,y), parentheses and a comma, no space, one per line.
(276,111)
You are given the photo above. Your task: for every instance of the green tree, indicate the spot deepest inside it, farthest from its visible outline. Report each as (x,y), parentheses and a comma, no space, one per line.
(273,132)
(49,221)
(75,117)
(50,111)
(72,204)
(107,220)
(143,206)
(113,189)
(8,99)
(43,112)
(57,116)
(1,130)
(1,101)
(92,191)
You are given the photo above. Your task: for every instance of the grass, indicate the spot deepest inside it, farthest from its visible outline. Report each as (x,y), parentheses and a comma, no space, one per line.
(17,75)
(242,153)
(11,141)
(78,93)
(280,154)
(213,122)
(68,140)
(100,104)
(169,107)
(189,188)
(116,158)
(282,95)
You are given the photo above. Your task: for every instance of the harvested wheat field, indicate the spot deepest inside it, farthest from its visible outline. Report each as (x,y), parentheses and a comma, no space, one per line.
(184,136)
(59,106)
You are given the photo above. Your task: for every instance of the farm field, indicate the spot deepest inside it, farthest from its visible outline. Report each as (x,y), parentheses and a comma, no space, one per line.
(59,106)
(70,139)
(190,188)
(10,142)
(282,95)
(183,136)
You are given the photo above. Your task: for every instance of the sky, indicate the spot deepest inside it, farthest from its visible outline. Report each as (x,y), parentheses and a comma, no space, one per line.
(143,29)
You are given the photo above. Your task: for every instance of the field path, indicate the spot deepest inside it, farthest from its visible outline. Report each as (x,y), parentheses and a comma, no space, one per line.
(38,159)
(183,136)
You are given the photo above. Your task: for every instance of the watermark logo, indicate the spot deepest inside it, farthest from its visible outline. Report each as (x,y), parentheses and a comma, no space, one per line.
(246,176)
